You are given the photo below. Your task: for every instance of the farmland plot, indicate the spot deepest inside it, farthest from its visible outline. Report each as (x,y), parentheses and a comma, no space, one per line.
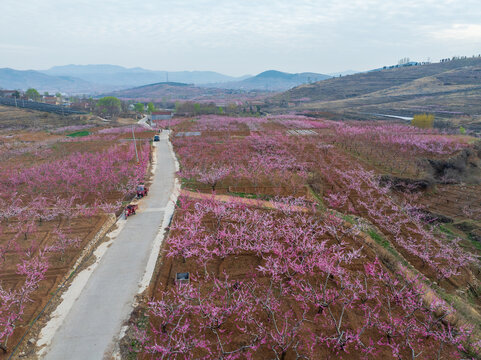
(298,250)
(56,194)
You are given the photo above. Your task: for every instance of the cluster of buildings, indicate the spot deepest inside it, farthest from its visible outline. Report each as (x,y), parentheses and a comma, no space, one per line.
(9,93)
(21,95)
(74,104)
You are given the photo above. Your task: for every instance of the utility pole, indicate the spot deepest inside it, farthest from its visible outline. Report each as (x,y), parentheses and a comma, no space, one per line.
(135,145)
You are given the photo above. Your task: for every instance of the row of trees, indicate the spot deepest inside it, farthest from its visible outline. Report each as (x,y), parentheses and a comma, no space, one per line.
(112,106)
(302,301)
(313,289)
(34,95)
(54,191)
(210,108)
(140,108)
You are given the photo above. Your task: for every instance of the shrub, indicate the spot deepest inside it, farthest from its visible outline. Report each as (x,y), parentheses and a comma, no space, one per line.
(423,121)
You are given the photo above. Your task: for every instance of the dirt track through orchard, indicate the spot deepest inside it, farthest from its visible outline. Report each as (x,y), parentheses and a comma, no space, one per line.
(249,202)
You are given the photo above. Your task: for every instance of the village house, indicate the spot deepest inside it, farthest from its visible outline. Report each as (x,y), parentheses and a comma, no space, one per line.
(162,115)
(8,93)
(52,100)
(82,105)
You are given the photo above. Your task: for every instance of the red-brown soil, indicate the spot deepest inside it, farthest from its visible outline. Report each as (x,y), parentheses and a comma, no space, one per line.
(59,265)
(83,228)
(241,267)
(456,202)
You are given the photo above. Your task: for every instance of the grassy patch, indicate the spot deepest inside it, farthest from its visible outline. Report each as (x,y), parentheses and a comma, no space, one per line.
(79,134)
(251,196)
(316,196)
(379,239)
(349,218)
(135,345)
(446,230)
(248,195)
(467,227)
(188,183)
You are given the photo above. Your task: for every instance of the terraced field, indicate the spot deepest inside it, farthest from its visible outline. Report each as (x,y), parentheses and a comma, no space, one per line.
(293,248)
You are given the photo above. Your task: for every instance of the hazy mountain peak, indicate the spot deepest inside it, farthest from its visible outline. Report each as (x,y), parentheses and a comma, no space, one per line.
(273,80)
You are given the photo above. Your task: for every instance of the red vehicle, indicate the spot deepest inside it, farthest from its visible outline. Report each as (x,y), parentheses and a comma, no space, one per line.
(142,190)
(130,210)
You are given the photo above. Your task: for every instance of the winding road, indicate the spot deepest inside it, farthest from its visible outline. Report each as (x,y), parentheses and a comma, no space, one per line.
(90,328)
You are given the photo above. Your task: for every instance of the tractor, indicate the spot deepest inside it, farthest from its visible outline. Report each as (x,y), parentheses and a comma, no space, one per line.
(142,190)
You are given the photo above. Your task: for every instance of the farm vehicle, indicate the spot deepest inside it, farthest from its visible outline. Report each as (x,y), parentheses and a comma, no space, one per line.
(142,191)
(130,210)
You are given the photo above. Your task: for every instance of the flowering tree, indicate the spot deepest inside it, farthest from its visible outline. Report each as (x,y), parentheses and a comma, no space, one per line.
(55,188)
(302,300)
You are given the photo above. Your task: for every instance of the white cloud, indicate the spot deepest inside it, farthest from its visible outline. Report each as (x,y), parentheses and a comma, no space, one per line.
(236,36)
(462,32)
(17,48)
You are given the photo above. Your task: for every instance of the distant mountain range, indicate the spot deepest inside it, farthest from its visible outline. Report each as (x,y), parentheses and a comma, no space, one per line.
(97,79)
(272,80)
(23,79)
(118,76)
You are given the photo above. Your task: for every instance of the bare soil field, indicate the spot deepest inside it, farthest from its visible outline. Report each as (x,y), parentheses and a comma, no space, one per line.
(11,117)
(456,202)
(59,265)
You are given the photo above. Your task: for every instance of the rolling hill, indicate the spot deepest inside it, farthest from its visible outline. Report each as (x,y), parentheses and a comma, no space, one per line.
(173,91)
(448,89)
(273,80)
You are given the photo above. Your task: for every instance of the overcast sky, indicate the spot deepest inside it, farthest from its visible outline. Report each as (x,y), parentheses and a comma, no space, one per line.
(236,37)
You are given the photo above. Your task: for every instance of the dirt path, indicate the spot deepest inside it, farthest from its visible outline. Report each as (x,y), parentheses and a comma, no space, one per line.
(251,202)
(143,122)
(102,299)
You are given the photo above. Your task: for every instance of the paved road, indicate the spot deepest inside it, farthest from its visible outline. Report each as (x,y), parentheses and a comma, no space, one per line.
(143,122)
(96,316)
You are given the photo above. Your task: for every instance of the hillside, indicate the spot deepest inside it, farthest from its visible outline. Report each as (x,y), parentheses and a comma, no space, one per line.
(24,79)
(12,118)
(448,89)
(173,91)
(273,80)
